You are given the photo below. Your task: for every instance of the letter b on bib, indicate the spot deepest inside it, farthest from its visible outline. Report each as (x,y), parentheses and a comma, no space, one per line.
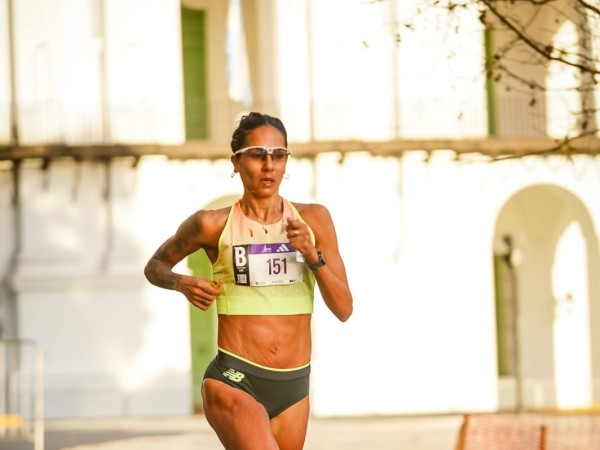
(239,256)
(241,266)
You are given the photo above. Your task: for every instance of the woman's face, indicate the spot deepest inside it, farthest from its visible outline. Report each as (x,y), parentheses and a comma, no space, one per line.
(261,174)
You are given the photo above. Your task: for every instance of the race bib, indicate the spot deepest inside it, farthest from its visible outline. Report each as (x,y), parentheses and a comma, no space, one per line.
(266,264)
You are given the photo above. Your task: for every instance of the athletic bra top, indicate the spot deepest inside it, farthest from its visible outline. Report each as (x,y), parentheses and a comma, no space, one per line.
(262,274)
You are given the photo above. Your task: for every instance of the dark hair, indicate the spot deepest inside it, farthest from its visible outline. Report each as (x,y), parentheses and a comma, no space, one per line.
(250,122)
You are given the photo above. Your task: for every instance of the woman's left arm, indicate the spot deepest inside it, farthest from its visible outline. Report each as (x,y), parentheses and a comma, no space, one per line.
(331,278)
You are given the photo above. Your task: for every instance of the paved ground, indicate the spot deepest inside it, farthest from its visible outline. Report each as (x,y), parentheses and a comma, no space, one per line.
(193,433)
(571,431)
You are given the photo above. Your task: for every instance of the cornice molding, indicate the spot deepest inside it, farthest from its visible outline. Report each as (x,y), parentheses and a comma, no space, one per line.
(495,148)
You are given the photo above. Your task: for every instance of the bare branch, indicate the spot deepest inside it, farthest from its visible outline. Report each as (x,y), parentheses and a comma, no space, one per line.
(544,51)
(587,6)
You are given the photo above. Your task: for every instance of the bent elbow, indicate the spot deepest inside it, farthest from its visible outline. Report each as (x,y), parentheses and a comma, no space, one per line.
(343,316)
(149,271)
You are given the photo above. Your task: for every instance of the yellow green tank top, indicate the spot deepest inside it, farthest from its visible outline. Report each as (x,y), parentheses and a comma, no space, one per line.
(262,274)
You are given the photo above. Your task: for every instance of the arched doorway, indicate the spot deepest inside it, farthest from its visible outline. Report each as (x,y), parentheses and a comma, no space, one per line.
(547,301)
(203,324)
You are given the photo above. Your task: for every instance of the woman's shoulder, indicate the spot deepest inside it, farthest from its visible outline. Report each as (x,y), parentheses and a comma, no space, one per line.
(214,219)
(311,210)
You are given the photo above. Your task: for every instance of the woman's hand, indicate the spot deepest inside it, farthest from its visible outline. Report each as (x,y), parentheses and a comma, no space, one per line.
(200,292)
(331,278)
(299,236)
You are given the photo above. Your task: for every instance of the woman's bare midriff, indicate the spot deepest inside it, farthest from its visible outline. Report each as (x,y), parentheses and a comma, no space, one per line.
(280,342)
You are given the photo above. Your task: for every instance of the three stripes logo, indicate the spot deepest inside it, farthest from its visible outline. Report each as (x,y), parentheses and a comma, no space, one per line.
(283,248)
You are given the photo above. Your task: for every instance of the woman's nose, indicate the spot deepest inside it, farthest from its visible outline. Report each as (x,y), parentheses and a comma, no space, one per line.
(268,161)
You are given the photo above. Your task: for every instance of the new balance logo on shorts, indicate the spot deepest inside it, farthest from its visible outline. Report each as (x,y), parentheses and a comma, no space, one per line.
(234,375)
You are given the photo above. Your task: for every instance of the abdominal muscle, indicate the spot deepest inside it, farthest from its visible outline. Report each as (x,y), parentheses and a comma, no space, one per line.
(279,342)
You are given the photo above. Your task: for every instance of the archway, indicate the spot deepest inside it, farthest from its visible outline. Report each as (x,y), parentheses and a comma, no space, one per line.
(547,300)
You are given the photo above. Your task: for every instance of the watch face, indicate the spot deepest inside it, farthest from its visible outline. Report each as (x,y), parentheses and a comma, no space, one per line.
(321,258)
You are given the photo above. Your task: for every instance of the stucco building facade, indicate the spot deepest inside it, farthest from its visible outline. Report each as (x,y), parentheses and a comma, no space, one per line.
(475,282)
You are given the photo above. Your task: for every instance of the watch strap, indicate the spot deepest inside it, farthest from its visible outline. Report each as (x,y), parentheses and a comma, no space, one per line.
(319,263)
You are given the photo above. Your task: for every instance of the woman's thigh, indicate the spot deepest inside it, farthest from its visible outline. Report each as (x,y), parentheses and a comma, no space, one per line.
(289,427)
(238,419)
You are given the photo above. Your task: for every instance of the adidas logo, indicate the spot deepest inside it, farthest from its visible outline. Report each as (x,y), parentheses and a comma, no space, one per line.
(283,248)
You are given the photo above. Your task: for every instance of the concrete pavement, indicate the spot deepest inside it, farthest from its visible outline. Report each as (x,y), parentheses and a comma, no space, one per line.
(568,430)
(193,433)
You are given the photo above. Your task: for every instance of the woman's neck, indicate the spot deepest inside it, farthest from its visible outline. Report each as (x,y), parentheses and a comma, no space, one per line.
(262,210)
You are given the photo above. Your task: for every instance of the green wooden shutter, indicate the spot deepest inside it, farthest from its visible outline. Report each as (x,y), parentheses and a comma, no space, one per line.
(193,29)
(503,367)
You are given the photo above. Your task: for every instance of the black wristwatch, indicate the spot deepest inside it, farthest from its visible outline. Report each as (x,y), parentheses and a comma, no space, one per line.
(320,262)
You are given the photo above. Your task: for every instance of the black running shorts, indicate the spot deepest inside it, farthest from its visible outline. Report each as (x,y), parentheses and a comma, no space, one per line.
(275,389)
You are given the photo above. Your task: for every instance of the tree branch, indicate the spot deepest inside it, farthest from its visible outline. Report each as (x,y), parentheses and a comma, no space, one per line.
(587,6)
(544,51)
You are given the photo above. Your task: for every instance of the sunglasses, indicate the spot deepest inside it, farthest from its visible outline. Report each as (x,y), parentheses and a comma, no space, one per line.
(258,152)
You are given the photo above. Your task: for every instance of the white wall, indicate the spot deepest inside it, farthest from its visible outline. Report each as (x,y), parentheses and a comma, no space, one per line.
(362,74)
(93,72)
(422,338)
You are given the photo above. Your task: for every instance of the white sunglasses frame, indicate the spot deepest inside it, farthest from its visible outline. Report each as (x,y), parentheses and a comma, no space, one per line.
(265,150)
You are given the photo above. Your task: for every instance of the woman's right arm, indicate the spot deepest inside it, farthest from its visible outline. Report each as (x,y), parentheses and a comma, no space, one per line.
(191,235)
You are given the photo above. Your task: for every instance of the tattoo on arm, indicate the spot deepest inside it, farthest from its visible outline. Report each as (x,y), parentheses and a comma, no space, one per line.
(161,275)
(159,270)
